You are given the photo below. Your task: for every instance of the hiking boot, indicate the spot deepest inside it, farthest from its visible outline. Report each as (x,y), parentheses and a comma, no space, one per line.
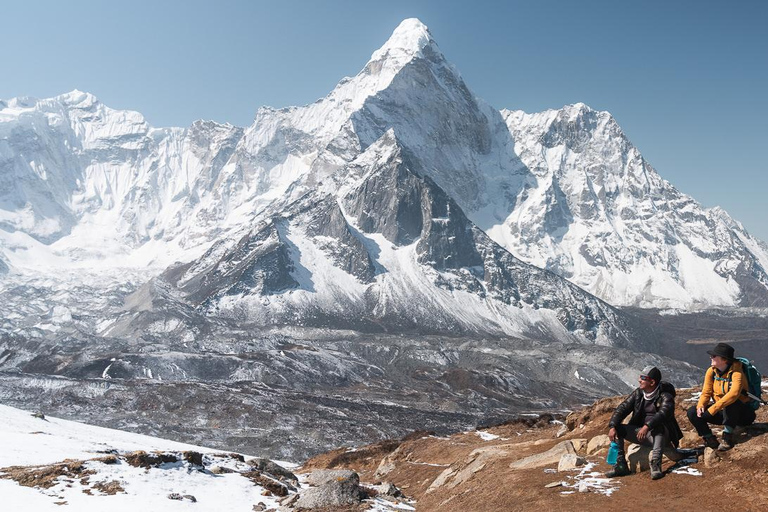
(727,443)
(710,441)
(656,471)
(620,469)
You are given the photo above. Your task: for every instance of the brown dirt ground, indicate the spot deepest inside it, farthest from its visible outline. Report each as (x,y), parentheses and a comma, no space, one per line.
(740,479)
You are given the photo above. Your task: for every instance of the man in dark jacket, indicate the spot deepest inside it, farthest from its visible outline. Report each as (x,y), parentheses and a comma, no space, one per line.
(652,424)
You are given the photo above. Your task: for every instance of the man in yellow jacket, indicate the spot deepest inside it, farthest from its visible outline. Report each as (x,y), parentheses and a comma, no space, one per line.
(723,398)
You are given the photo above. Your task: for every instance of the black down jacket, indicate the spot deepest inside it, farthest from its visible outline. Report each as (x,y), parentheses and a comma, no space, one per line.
(665,412)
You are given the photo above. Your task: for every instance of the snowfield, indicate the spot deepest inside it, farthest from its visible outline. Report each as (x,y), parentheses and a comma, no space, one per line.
(31,441)
(89,471)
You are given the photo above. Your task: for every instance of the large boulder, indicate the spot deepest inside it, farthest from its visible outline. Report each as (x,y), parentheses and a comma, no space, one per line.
(597,444)
(331,488)
(638,458)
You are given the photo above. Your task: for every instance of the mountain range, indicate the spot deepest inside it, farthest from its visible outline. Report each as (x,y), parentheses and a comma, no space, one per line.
(397,236)
(564,190)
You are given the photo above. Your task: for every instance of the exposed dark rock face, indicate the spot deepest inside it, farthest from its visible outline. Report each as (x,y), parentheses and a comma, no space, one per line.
(753,281)
(345,248)
(260,263)
(573,132)
(450,243)
(389,202)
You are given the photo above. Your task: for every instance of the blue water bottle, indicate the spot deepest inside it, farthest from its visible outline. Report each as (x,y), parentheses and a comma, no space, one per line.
(613,453)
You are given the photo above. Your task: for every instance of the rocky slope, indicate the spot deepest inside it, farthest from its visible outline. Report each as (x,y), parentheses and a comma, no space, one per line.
(517,466)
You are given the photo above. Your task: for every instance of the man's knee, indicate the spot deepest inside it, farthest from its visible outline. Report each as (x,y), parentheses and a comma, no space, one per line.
(692,414)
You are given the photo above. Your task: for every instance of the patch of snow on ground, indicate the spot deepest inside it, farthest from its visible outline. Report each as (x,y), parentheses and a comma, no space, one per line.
(687,470)
(590,481)
(486,436)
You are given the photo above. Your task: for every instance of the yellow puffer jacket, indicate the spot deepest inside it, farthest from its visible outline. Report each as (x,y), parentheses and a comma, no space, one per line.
(724,389)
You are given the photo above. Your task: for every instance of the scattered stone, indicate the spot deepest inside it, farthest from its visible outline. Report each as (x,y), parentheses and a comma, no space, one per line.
(570,461)
(178,497)
(388,489)
(598,443)
(267,466)
(583,487)
(238,457)
(38,415)
(110,488)
(551,456)
(553,484)
(267,482)
(142,459)
(220,470)
(711,458)
(259,507)
(580,445)
(562,431)
(195,458)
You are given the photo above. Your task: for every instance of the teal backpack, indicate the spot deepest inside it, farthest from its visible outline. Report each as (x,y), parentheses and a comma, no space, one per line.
(755,382)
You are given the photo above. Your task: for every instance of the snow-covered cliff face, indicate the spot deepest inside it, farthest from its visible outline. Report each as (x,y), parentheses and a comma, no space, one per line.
(390,248)
(601,216)
(85,186)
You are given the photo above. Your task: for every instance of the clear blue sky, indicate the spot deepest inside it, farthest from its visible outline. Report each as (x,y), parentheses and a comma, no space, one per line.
(687,80)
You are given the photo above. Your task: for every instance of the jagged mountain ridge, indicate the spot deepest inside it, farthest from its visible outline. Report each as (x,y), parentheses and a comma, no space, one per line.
(86,183)
(606,220)
(391,250)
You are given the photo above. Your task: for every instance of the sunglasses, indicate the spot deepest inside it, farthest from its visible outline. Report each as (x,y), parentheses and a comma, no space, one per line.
(645,377)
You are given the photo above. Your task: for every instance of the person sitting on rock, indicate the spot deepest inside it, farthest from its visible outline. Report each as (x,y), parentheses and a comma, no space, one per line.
(726,385)
(652,424)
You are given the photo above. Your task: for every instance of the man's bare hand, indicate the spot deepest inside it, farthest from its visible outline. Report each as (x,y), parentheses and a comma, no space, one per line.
(699,411)
(612,434)
(642,433)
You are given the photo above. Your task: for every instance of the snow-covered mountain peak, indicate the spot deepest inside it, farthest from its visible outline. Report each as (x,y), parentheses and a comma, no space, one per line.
(408,40)
(77,98)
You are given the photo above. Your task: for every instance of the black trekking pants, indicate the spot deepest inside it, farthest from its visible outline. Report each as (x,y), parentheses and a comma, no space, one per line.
(657,439)
(735,415)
